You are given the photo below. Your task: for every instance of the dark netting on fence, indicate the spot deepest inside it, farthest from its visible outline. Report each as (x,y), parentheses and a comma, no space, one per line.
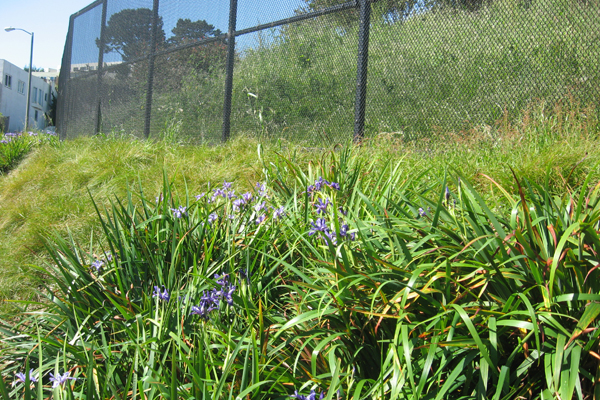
(286,82)
(323,71)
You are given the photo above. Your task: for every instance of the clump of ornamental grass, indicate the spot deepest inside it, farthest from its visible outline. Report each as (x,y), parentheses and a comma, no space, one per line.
(50,192)
(15,146)
(337,281)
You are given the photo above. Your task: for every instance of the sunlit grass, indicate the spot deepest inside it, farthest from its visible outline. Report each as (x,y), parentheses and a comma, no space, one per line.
(50,190)
(413,284)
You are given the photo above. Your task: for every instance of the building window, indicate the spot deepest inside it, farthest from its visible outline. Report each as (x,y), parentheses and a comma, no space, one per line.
(35,116)
(41,97)
(8,81)
(45,96)
(21,87)
(34,96)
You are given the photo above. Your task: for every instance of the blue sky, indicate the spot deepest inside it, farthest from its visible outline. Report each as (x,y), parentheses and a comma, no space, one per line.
(49,20)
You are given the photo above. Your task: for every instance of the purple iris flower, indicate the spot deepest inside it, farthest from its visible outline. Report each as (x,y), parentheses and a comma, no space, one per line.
(212,218)
(332,236)
(318,226)
(260,219)
(247,197)
(319,183)
(227,185)
(238,204)
(97,265)
(21,377)
(311,396)
(200,310)
(344,232)
(221,279)
(342,211)
(227,292)
(279,213)
(218,192)
(179,212)
(211,300)
(201,195)
(422,212)
(60,380)
(164,295)
(259,207)
(5,141)
(322,206)
(262,190)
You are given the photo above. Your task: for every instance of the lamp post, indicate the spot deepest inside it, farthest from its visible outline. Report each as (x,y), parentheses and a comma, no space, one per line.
(10,29)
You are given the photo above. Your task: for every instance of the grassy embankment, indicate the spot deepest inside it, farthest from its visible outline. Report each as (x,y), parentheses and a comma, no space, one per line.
(441,282)
(449,277)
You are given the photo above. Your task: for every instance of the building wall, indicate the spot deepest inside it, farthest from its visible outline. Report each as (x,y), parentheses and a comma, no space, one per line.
(13,98)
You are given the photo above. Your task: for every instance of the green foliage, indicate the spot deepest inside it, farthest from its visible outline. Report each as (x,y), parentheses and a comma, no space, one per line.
(15,146)
(423,290)
(129,33)
(34,69)
(185,31)
(447,69)
(51,114)
(202,58)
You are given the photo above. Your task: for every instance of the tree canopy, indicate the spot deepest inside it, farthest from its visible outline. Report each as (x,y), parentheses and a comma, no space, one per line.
(187,30)
(129,33)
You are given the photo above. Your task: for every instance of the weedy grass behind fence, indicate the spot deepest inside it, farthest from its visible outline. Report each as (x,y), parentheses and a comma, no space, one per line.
(437,71)
(342,278)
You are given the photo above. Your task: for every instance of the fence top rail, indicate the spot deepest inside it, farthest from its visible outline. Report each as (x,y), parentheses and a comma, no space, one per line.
(87,8)
(296,18)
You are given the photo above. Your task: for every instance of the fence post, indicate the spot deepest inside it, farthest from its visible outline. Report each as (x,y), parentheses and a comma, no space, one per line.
(151,68)
(362,69)
(63,83)
(230,62)
(98,122)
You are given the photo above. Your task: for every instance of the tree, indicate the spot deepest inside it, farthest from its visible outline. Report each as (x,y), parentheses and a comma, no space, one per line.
(187,31)
(51,114)
(203,57)
(129,33)
(34,69)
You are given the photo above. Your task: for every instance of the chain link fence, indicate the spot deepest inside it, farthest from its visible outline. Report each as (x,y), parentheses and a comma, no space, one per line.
(322,70)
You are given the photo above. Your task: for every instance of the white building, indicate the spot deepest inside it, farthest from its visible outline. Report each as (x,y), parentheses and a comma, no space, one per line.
(50,75)
(13,98)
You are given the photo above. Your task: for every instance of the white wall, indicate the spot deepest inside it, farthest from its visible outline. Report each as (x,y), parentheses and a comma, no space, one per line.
(13,102)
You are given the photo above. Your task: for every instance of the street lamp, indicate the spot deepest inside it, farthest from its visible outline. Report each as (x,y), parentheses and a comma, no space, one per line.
(10,29)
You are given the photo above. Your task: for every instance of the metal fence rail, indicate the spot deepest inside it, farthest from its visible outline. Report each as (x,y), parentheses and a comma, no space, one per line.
(299,68)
